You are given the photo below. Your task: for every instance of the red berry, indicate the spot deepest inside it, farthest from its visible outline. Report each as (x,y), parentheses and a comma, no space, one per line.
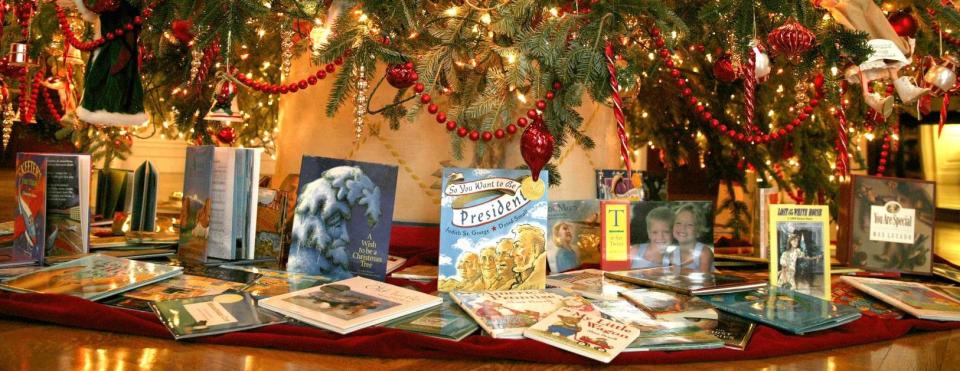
(541,105)
(532,114)
(675,73)
(714,123)
(321,74)
(522,121)
(669,63)
(487,136)
(462,131)
(722,127)
(330,67)
(425,98)
(740,137)
(681,82)
(110,36)
(550,95)
(687,92)
(700,108)
(664,53)
(312,80)
(409,65)
(693,100)
(557,85)
(432,108)
(441,117)
(474,135)
(418,87)
(338,61)
(808,109)
(137,20)
(655,32)
(499,133)
(413,76)
(660,43)
(451,125)
(732,133)
(302,84)
(707,115)
(884,153)
(293,88)
(789,128)
(511,128)
(815,102)
(283,90)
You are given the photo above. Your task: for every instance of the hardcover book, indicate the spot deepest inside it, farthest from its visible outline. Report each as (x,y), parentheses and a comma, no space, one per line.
(493,229)
(800,249)
(218,216)
(887,224)
(417,272)
(915,298)
(764,198)
(677,233)
(586,333)
(688,282)
(638,186)
(350,305)
(734,331)
(659,334)
(68,204)
(143,212)
(589,283)
(446,321)
(212,314)
(29,229)
(573,236)
(93,277)
(394,262)
(341,224)
(844,293)
(505,314)
(182,286)
(114,194)
(271,282)
(946,271)
(785,309)
(668,305)
(274,218)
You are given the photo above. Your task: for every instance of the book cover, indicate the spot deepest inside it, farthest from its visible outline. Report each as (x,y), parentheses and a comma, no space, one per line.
(493,229)
(212,314)
(68,204)
(586,333)
(734,331)
(143,212)
(638,186)
(800,249)
(844,293)
(195,214)
(946,271)
(274,218)
(394,262)
(269,282)
(659,334)
(29,229)
(688,282)
(785,309)
(615,235)
(668,305)
(589,283)
(113,194)
(93,277)
(446,321)
(349,305)
(505,314)
(761,240)
(678,233)
(573,236)
(888,224)
(341,224)
(417,272)
(182,286)
(912,297)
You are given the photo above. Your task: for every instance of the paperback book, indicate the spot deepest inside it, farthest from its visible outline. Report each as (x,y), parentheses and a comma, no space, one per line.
(785,309)
(915,298)
(669,305)
(62,181)
(589,283)
(446,321)
(29,231)
(341,224)
(586,333)
(505,314)
(574,234)
(181,287)
(659,334)
(688,282)
(212,314)
(493,229)
(800,249)
(659,234)
(417,272)
(93,277)
(349,305)
(218,216)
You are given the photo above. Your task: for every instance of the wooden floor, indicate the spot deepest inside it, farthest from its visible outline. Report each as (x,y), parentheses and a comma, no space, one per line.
(29,346)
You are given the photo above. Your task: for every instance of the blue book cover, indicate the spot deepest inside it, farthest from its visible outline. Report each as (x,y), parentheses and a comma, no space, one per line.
(573,238)
(493,228)
(31,219)
(785,309)
(341,224)
(196,209)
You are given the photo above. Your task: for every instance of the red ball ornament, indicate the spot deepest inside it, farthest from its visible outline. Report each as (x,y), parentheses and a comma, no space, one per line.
(904,24)
(418,87)
(791,39)
(474,135)
(486,136)
(401,75)
(226,93)
(536,147)
(723,69)
(441,117)
(462,132)
(180,29)
(532,114)
(541,105)
(499,133)
(227,135)
(451,125)
(512,129)
(522,121)
(432,108)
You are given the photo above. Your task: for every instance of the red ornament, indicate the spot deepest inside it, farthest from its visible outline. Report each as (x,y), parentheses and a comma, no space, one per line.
(536,146)
(904,24)
(791,39)
(227,91)
(180,29)
(723,69)
(227,135)
(401,75)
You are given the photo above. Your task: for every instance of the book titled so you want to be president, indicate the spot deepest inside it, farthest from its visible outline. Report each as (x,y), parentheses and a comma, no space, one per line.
(341,224)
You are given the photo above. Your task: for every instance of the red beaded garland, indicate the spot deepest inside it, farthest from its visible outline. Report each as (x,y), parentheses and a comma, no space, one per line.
(71,38)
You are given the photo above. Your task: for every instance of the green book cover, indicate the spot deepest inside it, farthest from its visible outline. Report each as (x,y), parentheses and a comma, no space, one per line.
(446,321)
(213,314)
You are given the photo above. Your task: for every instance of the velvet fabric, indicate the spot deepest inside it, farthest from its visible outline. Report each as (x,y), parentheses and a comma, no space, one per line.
(418,245)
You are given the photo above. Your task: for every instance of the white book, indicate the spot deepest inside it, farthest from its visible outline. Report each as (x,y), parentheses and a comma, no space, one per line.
(586,333)
(915,298)
(350,305)
(505,314)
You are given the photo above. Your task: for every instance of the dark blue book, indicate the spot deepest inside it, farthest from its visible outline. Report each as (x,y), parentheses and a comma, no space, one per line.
(341,224)
(785,309)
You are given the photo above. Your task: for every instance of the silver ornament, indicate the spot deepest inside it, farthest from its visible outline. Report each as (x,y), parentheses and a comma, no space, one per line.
(942,77)
(360,102)
(761,64)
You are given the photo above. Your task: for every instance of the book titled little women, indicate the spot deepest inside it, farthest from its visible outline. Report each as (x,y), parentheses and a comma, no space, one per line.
(341,224)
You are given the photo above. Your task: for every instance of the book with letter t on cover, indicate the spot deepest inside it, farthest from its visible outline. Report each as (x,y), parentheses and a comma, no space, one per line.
(212,314)
(350,305)
(586,333)
(688,282)
(915,298)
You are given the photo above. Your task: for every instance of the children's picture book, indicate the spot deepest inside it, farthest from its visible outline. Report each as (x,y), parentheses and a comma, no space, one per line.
(341,224)
(785,309)
(887,224)
(678,233)
(417,272)
(586,333)
(212,314)
(182,286)
(946,271)
(493,230)
(734,331)
(668,305)
(505,314)
(143,212)
(270,282)
(765,197)
(29,229)
(274,218)
(659,334)
(915,298)
(219,213)
(446,321)
(637,186)
(800,249)
(573,236)
(349,305)
(615,235)
(114,193)
(844,293)
(589,283)
(92,277)
(394,262)
(688,282)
